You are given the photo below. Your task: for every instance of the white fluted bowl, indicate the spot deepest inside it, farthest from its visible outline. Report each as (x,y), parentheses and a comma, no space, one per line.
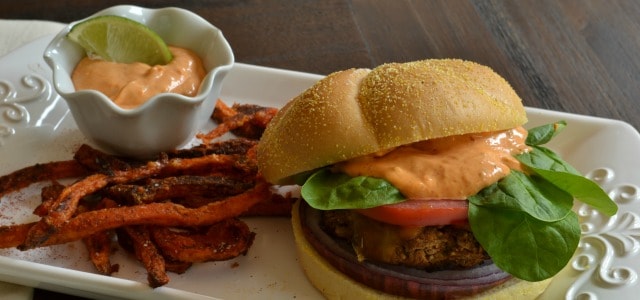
(166,121)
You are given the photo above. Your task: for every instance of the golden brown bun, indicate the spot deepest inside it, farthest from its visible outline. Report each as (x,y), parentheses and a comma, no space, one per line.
(336,285)
(360,111)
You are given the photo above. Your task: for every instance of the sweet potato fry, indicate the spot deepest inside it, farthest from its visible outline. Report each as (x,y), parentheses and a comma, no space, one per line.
(147,253)
(99,244)
(186,186)
(99,161)
(175,210)
(221,241)
(64,207)
(48,195)
(232,146)
(274,206)
(222,112)
(260,116)
(223,128)
(165,213)
(40,172)
(177,267)
(244,120)
(125,241)
(99,248)
(14,235)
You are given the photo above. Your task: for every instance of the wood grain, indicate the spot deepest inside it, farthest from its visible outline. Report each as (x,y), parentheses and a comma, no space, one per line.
(574,56)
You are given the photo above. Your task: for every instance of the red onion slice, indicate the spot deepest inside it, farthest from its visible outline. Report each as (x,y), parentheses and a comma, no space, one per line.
(398,280)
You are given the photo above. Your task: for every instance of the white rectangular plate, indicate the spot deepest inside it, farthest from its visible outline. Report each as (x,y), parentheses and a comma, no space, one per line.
(35,126)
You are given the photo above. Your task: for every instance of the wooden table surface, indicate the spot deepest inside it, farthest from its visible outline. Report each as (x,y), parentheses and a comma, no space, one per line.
(573,55)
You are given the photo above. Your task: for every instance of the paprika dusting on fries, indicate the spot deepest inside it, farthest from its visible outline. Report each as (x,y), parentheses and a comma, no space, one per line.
(179,208)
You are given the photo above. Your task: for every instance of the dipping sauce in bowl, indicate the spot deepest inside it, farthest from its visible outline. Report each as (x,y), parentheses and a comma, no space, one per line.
(167,119)
(129,85)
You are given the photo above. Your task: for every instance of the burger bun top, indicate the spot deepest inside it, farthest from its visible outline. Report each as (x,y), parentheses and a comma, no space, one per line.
(360,111)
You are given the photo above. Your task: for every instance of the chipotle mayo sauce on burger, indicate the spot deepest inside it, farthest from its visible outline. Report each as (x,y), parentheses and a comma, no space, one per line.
(454,167)
(131,85)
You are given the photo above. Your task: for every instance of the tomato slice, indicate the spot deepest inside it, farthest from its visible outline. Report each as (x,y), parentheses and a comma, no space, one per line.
(420,212)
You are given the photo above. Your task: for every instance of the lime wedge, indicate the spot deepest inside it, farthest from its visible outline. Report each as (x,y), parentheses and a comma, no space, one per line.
(119,39)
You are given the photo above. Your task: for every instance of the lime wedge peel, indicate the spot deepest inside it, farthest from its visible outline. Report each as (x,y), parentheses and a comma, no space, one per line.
(119,39)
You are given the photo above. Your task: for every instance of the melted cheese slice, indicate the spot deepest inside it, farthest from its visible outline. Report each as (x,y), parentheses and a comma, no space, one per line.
(454,167)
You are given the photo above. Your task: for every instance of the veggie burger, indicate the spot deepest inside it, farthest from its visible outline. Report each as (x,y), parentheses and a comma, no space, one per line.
(419,180)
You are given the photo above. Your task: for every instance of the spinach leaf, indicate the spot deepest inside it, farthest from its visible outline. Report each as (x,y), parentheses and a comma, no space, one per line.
(521,193)
(519,220)
(581,188)
(543,134)
(523,246)
(548,165)
(326,190)
(544,158)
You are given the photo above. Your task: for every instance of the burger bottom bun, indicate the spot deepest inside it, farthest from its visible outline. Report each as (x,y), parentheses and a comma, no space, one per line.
(336,285)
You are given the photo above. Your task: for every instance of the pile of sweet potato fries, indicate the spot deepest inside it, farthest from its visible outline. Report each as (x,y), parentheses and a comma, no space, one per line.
(179,208)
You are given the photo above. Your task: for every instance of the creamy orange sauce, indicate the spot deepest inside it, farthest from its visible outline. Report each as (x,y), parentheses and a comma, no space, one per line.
(446,168)
(130,85)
